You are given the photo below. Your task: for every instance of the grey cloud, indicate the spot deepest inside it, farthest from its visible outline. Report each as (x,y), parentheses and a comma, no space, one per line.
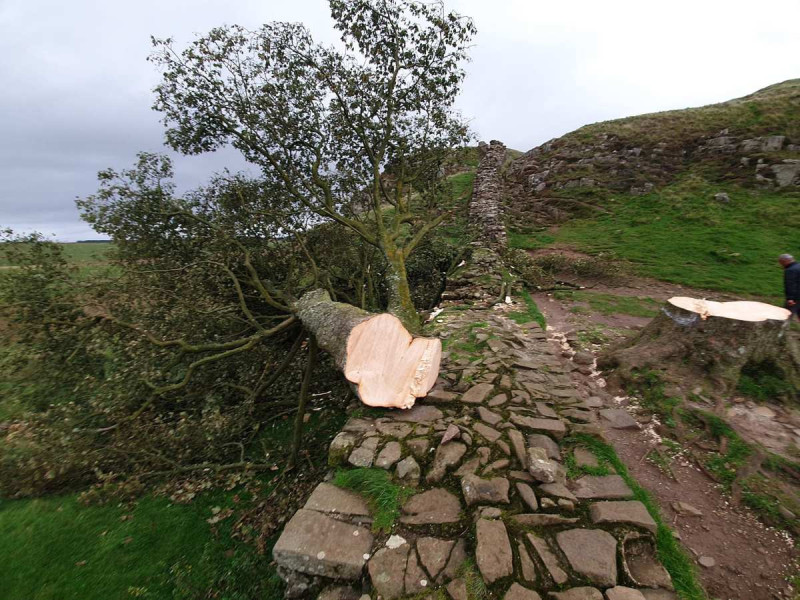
(75,88)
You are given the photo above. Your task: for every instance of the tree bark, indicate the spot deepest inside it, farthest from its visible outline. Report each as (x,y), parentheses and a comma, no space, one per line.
(297,437)
(692,340)
(375,352)
(400,303)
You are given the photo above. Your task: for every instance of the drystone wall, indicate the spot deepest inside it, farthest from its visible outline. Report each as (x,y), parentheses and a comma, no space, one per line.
(493,513)
(486,205)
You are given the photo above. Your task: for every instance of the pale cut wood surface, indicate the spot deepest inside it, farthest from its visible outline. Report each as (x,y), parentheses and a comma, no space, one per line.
(740,310)
(389,366)
(375,352)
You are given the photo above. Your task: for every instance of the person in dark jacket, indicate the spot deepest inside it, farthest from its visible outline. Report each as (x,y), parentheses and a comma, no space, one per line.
(791,282)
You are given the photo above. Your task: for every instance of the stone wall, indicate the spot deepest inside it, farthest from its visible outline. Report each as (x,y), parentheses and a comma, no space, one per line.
(486,205)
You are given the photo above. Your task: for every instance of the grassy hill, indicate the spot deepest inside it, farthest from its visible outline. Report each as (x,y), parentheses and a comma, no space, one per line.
(647,189)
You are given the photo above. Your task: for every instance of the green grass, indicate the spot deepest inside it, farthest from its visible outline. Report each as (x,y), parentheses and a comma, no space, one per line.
(56,548)
(80,253)
(531,312)
(517,239)
(574,471)
(376,486)
(476,587)
(610,304)
(670,553)
(680,234)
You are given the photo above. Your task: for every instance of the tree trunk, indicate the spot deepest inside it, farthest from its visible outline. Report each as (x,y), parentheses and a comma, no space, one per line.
(299,418)
(375,352)
(694,340)
(400,303)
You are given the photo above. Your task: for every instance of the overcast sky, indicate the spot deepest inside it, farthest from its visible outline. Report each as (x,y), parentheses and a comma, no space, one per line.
(75,88)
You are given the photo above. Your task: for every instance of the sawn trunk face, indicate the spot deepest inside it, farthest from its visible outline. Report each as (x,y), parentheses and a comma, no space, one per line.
(389,367)
(680,343)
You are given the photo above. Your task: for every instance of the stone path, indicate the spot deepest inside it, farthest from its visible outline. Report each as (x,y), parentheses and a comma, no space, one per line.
(493,507)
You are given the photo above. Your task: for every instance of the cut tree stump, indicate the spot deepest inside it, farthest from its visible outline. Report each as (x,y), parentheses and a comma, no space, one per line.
(702,339)
(385,363)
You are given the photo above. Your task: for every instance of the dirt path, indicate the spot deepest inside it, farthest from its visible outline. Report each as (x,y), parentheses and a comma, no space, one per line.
(751,561)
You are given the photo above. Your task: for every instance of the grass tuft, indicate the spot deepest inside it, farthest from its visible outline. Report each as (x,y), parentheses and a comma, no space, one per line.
(531,312)
(375,485)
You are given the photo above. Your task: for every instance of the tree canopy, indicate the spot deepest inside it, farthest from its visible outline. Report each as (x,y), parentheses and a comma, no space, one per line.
(354,133)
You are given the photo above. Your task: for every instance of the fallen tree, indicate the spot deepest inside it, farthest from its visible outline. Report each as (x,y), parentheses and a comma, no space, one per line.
(706,340)
(387,366)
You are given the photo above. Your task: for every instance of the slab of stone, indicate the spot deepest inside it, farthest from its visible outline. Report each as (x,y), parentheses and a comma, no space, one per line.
(488,512)
(521,476)
(518,445)
(433,553)
(527,566)
(602,487)
(686,510)
(457,589)
(538,440)
(497,465)
(584,458)
(493,552)
(542,519)
(457,557)
(540,467)
(419,413)
(432,506)
(437,396)
(592,553)
(528,496)
(339,592)
(594,402)
(316,544)
(483,491)
(451,433)
(517,592)
(364,455)
(578,593)
(419,446)
(498,400)
(389,455)
(486,432)
(328,498)
(553,427)
(341,447)
(408,471)
(477,393)
(624,593)
(469,467)
(486,415)
(416,580)
(393,429)
(580,415)
(548,559)
(619,418)
(630,512)
(387,569)
(504,448)
(640,561)
(356,425)
(447,456)
(546,411)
